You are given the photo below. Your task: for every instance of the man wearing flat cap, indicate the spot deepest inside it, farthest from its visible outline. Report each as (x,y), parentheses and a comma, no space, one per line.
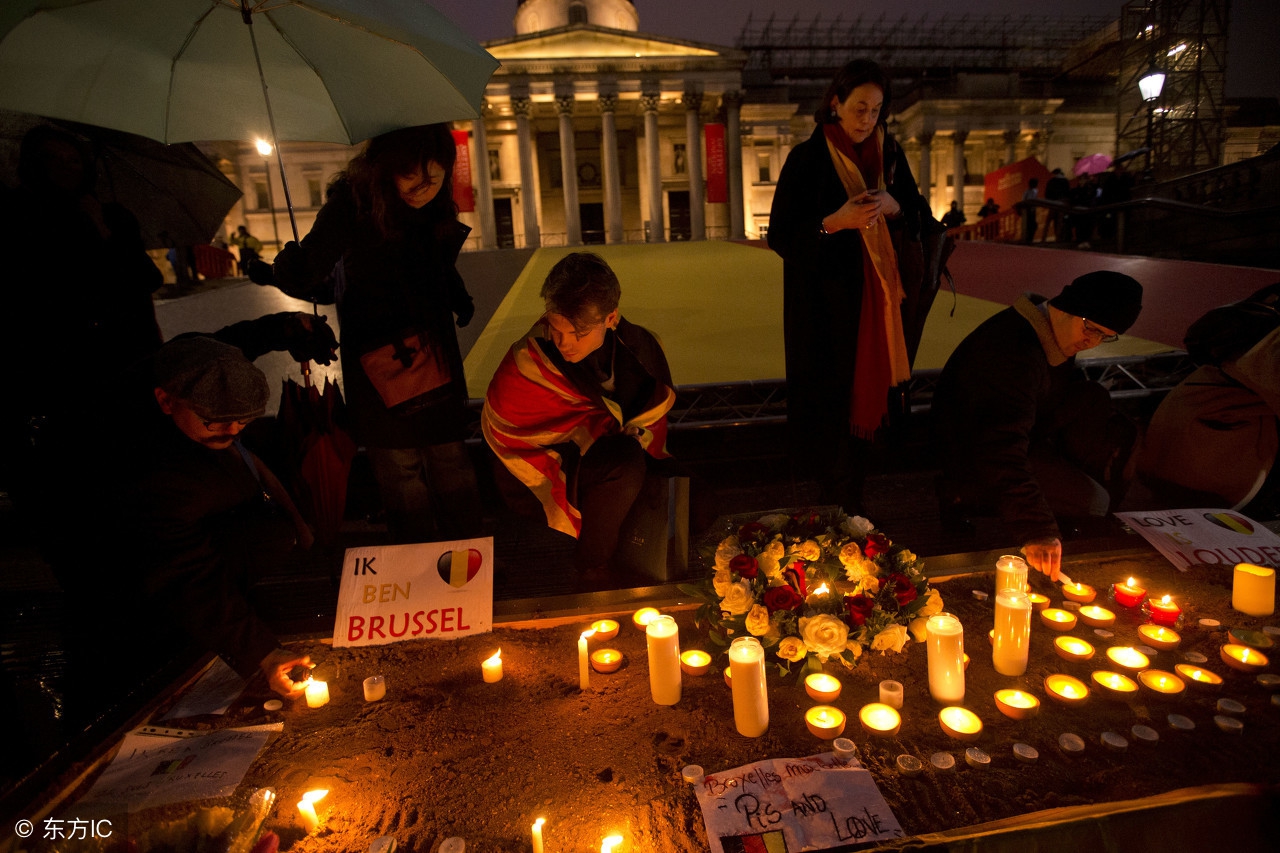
(1020,432)
(207,514)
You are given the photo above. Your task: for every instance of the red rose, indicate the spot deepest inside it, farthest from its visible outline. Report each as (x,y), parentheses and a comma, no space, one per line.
(904,591)
(794,575)
(782,598)
(877,544)
(860,607)
(744,565)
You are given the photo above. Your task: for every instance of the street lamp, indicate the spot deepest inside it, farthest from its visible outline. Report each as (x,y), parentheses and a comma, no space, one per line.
(265,148)
(1150,85)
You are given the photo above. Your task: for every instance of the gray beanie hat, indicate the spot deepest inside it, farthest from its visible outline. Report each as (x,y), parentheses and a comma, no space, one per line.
(213,379)
(1108,298)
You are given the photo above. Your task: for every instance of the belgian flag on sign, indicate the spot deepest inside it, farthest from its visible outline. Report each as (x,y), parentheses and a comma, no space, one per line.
(458,567)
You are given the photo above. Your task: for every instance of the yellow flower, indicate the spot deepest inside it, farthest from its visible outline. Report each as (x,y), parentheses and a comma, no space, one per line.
(891,639)
(758,620)
(824,635)
(809,551)
(907,557)
(920,628)
(850,555)
(855,647)
(721,580)
(792,649)
(726,551)
(738,599)
(870,585)
(769,559)
(933,606)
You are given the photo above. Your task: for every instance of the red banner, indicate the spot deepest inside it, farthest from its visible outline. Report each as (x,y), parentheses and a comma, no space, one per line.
(463,195)
(717,168)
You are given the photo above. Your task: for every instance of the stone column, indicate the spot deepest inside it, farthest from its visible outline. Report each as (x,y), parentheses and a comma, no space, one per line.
(569,171)
(612,183)
(1010,146)
(484,191)
(924,176)
(523,107)
(657,226)
(733,152)
(693,156)
(957,166)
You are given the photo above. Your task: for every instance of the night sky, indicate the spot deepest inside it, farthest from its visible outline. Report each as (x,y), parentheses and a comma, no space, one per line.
(1252,66)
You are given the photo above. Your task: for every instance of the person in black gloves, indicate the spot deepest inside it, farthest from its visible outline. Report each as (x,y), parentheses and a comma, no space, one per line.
(383,248)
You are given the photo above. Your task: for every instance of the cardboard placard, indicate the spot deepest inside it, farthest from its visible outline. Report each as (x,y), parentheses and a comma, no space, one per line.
(1197,537)
(391,593)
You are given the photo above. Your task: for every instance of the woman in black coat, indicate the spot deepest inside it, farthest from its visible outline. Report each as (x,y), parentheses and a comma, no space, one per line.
(842,195)
(384,248)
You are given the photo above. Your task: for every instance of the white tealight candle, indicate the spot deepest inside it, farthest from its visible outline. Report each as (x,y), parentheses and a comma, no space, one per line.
(375,688)
(891,694)
(491,668)
(317,693)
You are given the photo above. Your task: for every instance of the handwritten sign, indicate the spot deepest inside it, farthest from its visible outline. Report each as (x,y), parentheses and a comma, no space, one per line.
(391,593)
(217,688)
(151,771)
(785,805)
(1197,537)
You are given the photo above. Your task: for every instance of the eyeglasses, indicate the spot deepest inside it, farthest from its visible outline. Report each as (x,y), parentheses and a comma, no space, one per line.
(224,426)
(1094,331)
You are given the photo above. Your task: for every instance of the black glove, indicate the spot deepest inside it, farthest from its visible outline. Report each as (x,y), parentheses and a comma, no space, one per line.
(308,337)
(261,272)
(465,312)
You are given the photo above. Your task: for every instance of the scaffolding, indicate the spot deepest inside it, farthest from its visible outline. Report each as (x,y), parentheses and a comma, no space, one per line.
(1183,129)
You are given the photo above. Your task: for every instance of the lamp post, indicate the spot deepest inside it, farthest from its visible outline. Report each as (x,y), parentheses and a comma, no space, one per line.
(265,148)
(1150,85)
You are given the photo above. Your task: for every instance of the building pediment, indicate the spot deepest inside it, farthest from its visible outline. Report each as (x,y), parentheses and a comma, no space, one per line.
(589,42)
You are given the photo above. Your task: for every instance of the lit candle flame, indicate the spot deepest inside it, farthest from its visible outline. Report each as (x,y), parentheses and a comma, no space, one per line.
(1164,600)
(316,795)
(587,634)
(610,842)
(822,590)
(1130,582)
(494,658)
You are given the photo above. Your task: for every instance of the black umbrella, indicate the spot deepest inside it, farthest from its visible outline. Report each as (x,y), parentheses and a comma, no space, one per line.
(179,197)
(313,421)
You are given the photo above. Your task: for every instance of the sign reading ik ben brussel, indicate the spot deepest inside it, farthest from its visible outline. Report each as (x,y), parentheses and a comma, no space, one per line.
(391,593)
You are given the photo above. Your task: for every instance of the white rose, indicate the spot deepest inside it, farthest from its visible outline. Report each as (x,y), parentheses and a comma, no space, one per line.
(758,620)
(721,580)
(857,526)
(933,606)
(738,598)
(824,635)
(891,639)
(726,551)
(855,647)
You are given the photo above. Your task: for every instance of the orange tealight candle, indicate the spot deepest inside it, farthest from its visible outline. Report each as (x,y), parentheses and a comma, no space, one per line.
(1098,617)
(879,719)
(1065,689)
(1080,592)
(1058,620)
(1243,658)
(1073,649)
(1199,678)
(1159,637)
(822,687)
(606,660)
(1114,685)
(606,629)
(728,677)
(1038,601)
(1017,704)
(960,723)
(695,662)
(825,721)
(1128,594)
(644,616)
(1159,681)
(1128,658)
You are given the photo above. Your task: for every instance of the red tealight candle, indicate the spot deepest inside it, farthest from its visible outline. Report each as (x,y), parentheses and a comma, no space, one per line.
(1128,594)
(1164,612)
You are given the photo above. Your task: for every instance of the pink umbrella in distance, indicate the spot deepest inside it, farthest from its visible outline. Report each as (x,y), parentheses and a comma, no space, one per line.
(1092,164)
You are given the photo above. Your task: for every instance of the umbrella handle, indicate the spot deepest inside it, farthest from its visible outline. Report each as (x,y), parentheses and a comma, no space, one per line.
(306,373)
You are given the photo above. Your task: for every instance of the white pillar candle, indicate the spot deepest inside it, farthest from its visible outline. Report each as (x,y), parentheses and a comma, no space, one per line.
(317,693)
(584,661)
(1254,590)
(1012,646)
(537,834)
(663,637)
(307,808)
(946,658)
(375,688)
(891,694)
(491,668)
(750,696)
(1011,573)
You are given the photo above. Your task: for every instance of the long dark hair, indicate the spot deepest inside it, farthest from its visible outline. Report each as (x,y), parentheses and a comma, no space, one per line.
(34,153)
(848,78)
(371,174)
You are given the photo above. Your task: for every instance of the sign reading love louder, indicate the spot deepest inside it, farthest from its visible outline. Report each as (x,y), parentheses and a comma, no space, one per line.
(391,593)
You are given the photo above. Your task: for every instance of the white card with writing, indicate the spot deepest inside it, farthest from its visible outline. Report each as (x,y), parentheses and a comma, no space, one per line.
(1197,537)
(392,593)
(794,804)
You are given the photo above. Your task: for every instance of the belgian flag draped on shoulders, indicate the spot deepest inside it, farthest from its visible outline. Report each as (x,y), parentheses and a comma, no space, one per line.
(536,401)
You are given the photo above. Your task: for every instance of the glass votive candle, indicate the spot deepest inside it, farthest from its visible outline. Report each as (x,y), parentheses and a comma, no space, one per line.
(695,662)
(822,687)
(1065,689)
(606,661)
(960,723)
(1017,704)
(1080,592)
(879,719)
(825,721)
(1128,594)
(606,629)
(891,694)
(1073,649)
(1057,619)
(1097,617)
(1163,612)
(375,688)
(1201,679)
(1113,685)
(1159,637)
(644,616)
(1243,658)
(1159,681)
(1128,658)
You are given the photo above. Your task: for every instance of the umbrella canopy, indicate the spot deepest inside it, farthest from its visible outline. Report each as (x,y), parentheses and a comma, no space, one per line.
(178,196)
(1092,164)
(186,70)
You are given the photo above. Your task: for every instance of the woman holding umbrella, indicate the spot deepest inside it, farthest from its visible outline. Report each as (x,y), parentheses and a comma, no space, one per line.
(384,248)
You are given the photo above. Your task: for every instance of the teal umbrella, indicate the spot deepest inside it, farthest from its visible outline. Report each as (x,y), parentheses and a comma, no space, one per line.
(281,70)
